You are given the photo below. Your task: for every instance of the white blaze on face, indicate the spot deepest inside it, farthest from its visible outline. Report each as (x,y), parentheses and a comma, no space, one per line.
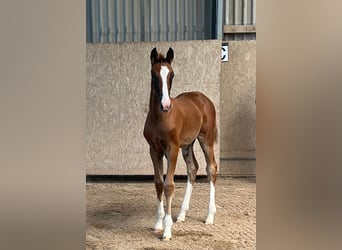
(165,101)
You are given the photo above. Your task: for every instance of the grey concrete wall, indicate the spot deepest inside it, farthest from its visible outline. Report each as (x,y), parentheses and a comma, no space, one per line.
(238,116)
(117,96)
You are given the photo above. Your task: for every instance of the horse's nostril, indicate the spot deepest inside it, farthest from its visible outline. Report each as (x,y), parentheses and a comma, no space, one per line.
(166,109)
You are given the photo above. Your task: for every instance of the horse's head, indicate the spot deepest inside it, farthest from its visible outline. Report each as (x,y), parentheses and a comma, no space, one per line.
(162,75)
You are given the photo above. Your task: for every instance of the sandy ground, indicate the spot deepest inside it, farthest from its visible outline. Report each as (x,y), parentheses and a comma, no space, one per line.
(120,215)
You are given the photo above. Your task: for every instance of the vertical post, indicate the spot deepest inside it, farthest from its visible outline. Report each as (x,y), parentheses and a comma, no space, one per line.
(219,14)
(89,22)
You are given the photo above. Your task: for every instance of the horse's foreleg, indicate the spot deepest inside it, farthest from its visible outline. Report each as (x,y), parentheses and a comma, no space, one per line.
(212,173)
(192,168)
(157,160)
(169,187)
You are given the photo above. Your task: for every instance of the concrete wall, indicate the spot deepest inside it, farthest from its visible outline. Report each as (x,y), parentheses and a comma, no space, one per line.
(118,88)
(238,116)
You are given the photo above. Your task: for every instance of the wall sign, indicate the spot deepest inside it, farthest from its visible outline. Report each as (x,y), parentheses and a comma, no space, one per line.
(224,52)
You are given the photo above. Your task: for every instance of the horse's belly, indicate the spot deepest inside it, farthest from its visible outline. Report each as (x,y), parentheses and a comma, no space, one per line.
(188,137)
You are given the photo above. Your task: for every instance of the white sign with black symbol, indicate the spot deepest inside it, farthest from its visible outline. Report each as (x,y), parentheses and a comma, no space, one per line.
(224,52)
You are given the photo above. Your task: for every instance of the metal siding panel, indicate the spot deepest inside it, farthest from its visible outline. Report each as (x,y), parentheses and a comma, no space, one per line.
(219,18)
(101,17)
(182,23)
(124,24)
(194,16)
(231,12)
(177,15)
(89,22)
(253,11)
(94,9)
(121,20)
(199,19)
(172,20)
(203,20)
(136,20)
(128,21)
(115,21)
(189,20)
(249,12)
(147,10)
(110,21)
(107,21)
(154,20)
(225,12)
(240,12)
(104,22)
(209,22)
(167,21)
(118,20)
(178,20)
(160,20)
(141,20)
(237,12)
(186,20)
(244,12)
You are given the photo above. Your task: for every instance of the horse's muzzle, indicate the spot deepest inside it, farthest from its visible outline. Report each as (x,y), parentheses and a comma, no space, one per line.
(166,108)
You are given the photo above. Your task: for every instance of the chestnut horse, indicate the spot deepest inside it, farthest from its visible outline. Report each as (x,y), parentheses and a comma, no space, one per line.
(174,123)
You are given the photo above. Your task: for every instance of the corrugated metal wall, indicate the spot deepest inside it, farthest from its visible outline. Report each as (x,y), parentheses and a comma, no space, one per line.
(163,20)
(150,20)
(241,13)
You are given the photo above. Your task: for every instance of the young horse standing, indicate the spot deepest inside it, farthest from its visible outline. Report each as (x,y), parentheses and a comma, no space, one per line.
(174,123)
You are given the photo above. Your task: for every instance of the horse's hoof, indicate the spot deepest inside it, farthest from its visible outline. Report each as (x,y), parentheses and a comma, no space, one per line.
(157,231)
(180,221)
(166,239)
(209,222)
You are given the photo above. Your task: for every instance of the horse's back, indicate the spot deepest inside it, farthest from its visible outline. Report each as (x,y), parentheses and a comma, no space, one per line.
(198,99)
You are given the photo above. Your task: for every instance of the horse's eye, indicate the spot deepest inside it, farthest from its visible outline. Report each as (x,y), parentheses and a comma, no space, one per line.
(172,75)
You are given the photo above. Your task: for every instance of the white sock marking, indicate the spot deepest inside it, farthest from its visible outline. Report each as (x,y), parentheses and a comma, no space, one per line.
(165,102)
(186,202)
(168,224)
(159,216)
(212,206)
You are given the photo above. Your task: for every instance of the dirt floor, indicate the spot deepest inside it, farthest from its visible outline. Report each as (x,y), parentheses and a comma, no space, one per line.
(120,215)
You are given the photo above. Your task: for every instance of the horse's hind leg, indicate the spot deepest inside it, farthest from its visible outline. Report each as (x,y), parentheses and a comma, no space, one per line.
(192,168)
(208,149)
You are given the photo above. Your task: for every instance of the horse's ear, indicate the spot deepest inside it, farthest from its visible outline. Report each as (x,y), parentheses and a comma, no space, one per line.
(169,55)
(154,56)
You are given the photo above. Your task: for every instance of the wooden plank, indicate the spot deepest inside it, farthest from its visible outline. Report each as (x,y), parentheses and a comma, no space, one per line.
(239,29)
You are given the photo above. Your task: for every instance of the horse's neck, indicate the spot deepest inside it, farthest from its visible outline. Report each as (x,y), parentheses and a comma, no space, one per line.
(154,102)
(155,106)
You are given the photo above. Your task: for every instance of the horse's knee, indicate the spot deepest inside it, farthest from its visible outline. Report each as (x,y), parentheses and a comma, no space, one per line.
(169,189)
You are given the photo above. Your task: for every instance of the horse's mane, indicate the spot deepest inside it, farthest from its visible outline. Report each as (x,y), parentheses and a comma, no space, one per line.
(161,58)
